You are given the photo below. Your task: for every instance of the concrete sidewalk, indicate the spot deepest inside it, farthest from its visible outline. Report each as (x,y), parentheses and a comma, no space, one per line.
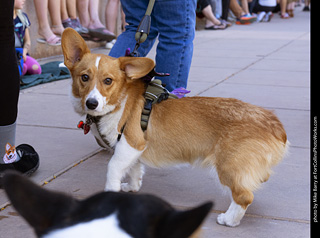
(267,64)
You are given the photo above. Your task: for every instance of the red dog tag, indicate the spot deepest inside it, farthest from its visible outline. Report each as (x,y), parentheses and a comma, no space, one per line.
(86,128)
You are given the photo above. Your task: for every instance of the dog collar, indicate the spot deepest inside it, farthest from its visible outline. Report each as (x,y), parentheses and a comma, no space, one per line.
(86,126)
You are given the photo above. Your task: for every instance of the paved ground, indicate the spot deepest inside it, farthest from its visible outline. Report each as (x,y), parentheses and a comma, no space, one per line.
(267,64)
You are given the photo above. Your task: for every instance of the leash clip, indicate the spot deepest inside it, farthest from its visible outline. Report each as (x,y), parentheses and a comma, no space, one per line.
(135,52)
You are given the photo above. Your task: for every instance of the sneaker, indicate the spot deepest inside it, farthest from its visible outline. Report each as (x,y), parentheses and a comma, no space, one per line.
(306,9)
(227,23)
(78,27)
(28,163)
(110,44)
(260,16)
(246,19)
(267,17)
(67,23)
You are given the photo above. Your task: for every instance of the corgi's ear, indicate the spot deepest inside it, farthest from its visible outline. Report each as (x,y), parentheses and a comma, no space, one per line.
(183,224)
(8,147)
(73,46)
(38,206)
(136,67)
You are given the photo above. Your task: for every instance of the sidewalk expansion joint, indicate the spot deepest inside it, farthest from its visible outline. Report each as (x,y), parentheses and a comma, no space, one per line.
(58,174)
(285,219)
(51,127)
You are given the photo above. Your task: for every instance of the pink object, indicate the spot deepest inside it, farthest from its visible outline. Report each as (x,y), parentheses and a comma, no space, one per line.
(31,66)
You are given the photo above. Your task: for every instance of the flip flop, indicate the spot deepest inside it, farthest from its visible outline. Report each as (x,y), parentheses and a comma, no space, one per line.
(221,26)
(52,40)
(101,33)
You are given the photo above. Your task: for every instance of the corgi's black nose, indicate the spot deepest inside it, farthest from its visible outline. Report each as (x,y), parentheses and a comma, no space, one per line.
(92,103)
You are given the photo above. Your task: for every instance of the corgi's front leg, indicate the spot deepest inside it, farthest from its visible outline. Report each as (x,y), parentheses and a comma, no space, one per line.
(123,159)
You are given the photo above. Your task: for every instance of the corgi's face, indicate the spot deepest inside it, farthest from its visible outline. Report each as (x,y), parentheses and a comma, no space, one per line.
(106,214)
(99,82)
(10,155)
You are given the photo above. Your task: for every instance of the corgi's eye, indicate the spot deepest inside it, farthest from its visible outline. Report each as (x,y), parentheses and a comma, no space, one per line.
(84,77)
(108,81)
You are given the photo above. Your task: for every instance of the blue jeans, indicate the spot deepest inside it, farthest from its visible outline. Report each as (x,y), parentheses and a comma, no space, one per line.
(173,22)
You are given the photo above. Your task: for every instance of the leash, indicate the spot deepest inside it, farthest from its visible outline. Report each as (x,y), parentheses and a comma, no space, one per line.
(143,29)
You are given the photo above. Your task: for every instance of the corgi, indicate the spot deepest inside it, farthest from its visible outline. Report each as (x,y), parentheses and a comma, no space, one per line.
(106,214)
(242,142)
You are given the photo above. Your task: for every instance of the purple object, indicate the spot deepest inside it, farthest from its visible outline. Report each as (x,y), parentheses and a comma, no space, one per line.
(127,52)
(180,92)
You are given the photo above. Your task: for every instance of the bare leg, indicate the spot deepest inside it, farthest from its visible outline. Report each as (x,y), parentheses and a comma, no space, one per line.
(94,14)
(55,15)
(245,6)
(210,18)
(41,7)
(64,12)
(111,13)
(72,10)
(83,6)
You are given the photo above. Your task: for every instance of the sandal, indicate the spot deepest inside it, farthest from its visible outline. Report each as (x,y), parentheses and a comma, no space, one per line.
(87,37)
(291,13)
(52,40)
(101,33)
(221,26)
(285,16)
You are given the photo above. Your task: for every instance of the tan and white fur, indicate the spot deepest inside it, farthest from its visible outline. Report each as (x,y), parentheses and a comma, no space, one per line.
(241,141)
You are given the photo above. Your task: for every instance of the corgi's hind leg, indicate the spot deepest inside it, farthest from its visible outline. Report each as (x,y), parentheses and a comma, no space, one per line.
(135,178)
(241,199)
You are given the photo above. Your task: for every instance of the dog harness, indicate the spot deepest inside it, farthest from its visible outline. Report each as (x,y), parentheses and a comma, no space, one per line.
(155,93)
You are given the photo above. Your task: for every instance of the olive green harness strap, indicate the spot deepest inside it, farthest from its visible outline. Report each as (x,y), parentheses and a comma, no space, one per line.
(155,93)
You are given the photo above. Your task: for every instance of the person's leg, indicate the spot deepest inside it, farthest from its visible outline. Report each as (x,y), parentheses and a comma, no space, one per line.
(55,15)
(9,90)
(245,6)
(94,14)
(22,158)
(111,14)
(83,6)
(210,18)
(225,9)
(236,9)
(71,8)
(64,11)
(41,7)
(283,8)
(175,21)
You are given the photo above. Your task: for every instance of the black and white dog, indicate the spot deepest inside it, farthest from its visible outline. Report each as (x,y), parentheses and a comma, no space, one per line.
(106,214)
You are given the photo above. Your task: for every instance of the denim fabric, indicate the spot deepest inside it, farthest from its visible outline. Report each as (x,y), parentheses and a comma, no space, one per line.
(173,22)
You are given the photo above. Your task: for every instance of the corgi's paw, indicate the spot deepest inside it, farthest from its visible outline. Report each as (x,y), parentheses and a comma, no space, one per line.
(112,187)
(127,187)
(224,219)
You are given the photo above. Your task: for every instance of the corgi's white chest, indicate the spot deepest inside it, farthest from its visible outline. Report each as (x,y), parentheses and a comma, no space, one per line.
(106,129)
